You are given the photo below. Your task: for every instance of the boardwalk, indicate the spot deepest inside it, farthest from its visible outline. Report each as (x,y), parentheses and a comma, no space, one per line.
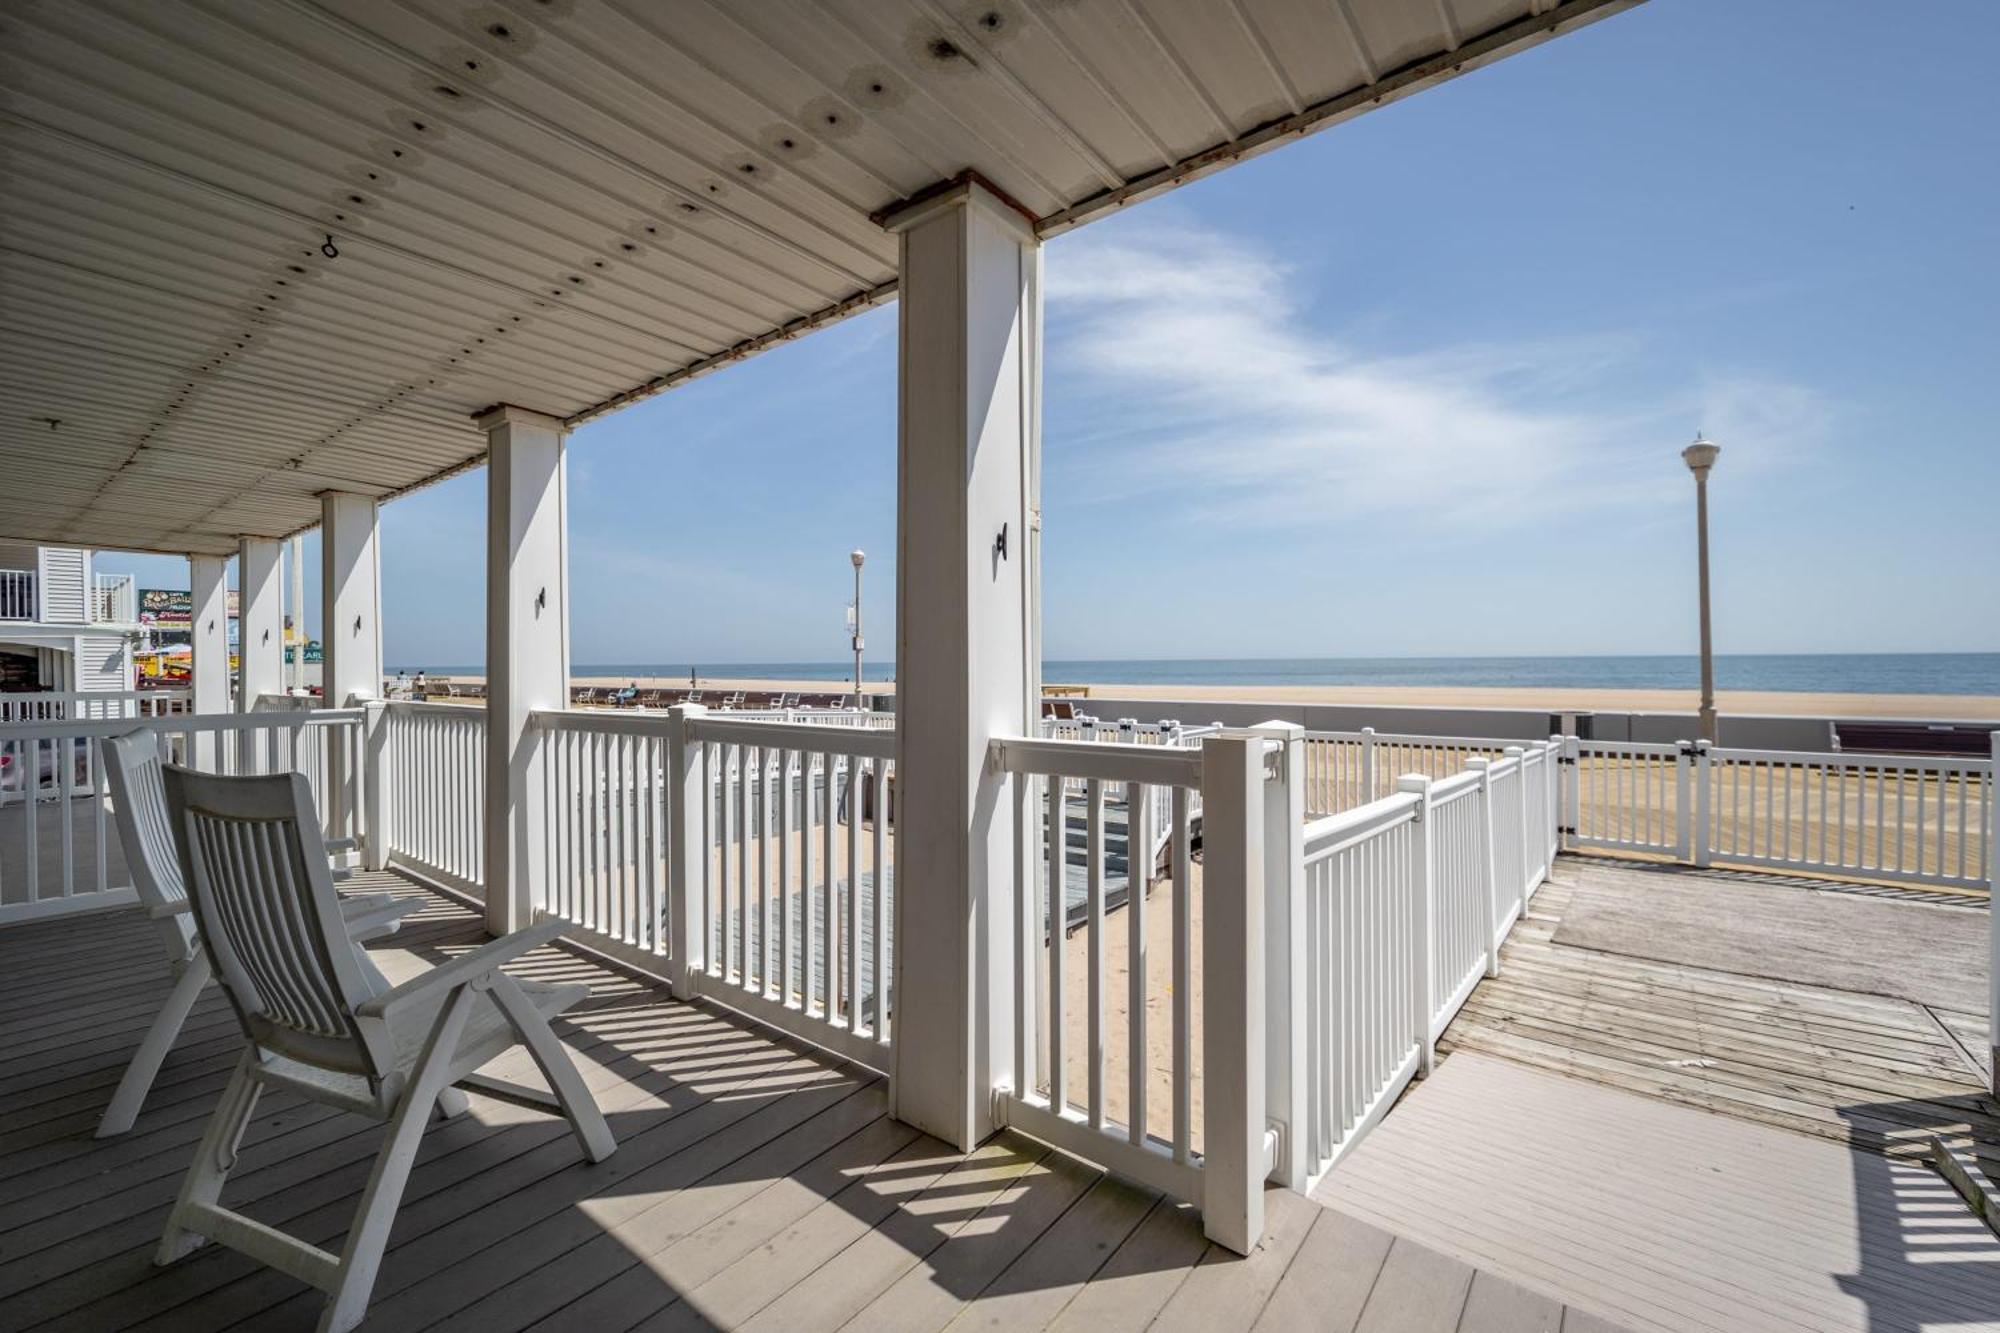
(1685,1147)
(756,1185)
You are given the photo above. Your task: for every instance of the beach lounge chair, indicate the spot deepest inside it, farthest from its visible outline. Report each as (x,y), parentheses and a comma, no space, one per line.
(132,767)
(268,916)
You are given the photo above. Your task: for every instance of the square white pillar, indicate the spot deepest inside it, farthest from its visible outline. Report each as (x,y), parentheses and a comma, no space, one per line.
(970,407)
(260,648)
(350,559)
(527,645)
(208,628)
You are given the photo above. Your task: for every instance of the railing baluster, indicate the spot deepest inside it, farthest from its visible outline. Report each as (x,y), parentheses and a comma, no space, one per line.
(1094,881)
(1138,862)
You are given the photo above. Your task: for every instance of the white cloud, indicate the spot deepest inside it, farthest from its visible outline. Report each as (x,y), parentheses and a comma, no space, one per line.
(1215,385)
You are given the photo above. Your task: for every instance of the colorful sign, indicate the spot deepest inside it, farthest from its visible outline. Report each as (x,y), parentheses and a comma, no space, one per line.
(167,614)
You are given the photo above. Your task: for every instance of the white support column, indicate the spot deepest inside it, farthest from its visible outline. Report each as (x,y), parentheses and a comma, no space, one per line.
(350,561)
(527,645)
(260,651)
(296,678)
(208,631)
(966,623)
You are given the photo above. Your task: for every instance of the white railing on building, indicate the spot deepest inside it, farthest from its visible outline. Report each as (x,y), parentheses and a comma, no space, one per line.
(114,599)
(59,849)
(91,705)
(430,763)
(18,595)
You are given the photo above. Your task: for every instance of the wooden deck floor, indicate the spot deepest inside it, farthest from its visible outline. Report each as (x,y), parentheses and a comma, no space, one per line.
(1873,1071)
(756,1185)
(1689,1148)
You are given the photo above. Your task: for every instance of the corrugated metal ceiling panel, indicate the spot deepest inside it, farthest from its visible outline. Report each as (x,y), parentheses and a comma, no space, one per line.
(565,204)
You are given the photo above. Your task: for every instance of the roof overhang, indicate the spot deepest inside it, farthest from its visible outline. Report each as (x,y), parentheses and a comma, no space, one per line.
(255,250)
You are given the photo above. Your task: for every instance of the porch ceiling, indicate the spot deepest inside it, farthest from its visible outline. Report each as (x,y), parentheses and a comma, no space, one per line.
(564,204)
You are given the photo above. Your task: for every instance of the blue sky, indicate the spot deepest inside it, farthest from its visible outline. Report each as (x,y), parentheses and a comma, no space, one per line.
(1414,386)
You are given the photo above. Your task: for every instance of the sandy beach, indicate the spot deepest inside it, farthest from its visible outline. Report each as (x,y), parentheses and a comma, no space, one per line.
(1939,707)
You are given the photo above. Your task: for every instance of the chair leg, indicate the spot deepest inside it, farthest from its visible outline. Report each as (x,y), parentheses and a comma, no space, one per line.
(212,1160)
(145,1066)
(368,1235)
(453,1103)
(586,1121)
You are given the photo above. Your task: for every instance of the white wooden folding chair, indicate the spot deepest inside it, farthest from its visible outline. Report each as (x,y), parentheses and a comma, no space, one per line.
(132,767)
(269,919)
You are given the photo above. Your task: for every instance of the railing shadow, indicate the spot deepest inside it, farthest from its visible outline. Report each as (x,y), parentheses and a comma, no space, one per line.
(753,1174)
(1925,1260)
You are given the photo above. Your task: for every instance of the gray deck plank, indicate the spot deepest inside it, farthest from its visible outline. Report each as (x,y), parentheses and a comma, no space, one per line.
(1329,1282)
(1420,1290)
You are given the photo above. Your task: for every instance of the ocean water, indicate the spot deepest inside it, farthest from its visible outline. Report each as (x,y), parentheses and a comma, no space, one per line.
(1808,673)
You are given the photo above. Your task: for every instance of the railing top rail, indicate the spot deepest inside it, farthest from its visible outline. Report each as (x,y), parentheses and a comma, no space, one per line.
(861,742)
(435,709)
(79,728)
(91,696)
(1610,748)
(1413,738)
(1455,786)
(624,722)
(1108,761)
(1335,833)
(1855,759)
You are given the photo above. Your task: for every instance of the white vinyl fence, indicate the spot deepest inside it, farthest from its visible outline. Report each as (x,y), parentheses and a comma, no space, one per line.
(59,849)
(1345,769)
(1401,909)
(1074,1087)
(430,763)
(751,861)
(1904,819)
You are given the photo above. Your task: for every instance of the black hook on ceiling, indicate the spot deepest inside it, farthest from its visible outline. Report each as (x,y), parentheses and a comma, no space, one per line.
(329,249)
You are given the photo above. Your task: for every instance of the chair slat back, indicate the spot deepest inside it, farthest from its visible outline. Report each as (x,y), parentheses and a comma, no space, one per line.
(132,767)
(256,871)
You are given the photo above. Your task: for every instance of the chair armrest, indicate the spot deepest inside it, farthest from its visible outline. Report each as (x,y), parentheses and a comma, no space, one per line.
(466,967)
(179,907)
(370,916)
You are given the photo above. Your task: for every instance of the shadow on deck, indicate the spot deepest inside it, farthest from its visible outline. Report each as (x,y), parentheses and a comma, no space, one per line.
(757,1184)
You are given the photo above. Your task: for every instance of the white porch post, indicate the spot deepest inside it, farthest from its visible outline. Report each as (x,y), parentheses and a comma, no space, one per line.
(297,678)
(970,406)
(208,632)
(350,562)
(260,654)
(527,644)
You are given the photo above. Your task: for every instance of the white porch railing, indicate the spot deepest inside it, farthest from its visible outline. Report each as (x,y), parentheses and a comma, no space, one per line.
(59,850)
(91,705)
(1401,907)
(1066,1094)
(751,861)
(430,762)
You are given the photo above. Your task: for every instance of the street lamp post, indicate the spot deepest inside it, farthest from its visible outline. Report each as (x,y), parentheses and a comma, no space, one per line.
(1700,457)
(857,557)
